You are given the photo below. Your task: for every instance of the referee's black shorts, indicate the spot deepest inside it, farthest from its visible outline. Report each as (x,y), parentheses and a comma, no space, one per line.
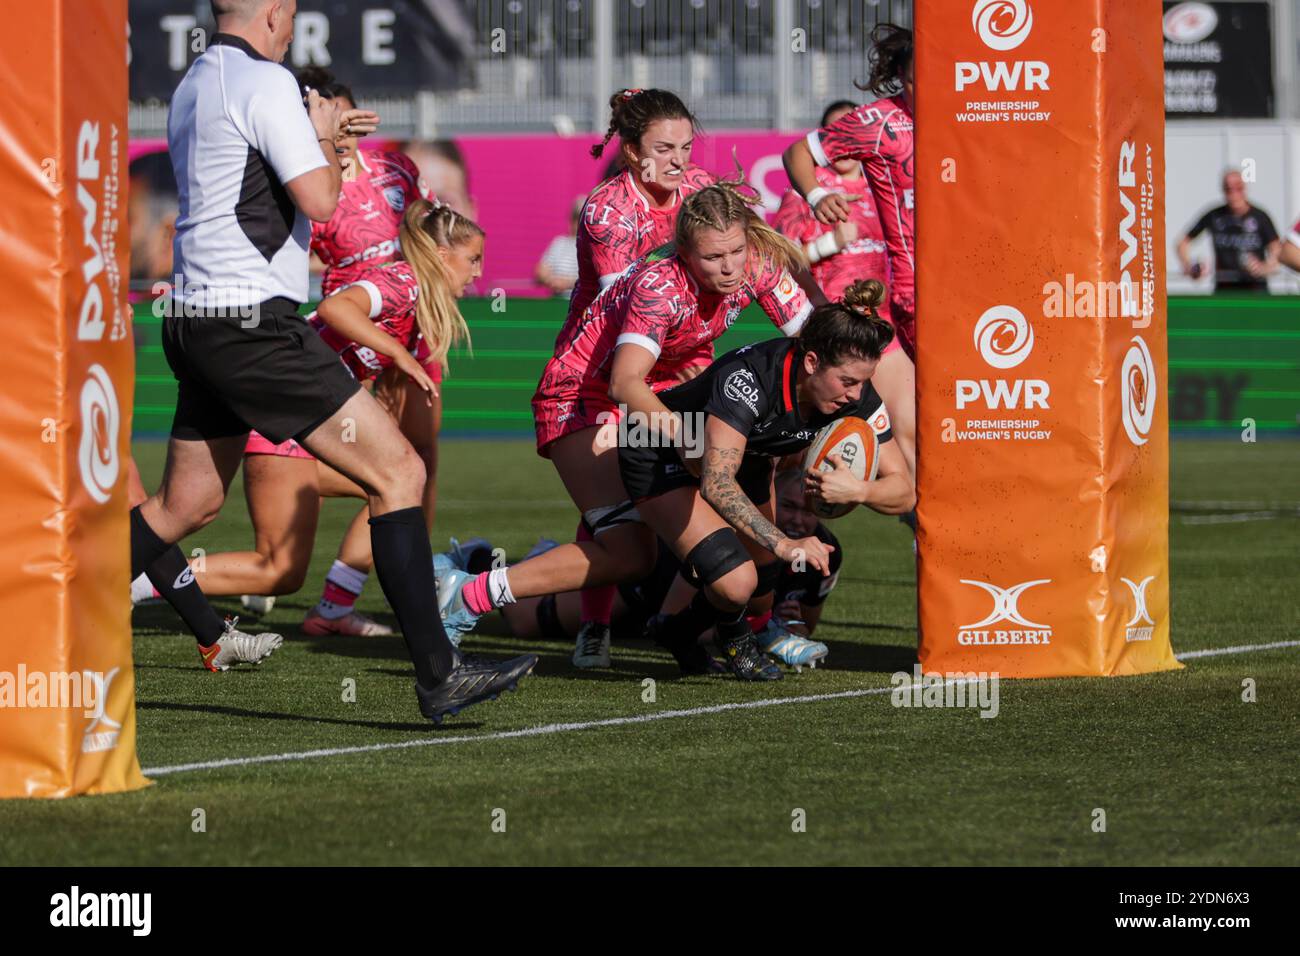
(270,372)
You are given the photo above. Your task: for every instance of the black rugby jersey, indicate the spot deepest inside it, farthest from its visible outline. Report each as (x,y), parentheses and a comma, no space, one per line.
(753,390)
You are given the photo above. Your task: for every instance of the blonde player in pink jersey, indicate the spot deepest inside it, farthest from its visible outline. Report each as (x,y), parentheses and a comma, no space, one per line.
(878,135)
(380,325)
(624,218)
(628,344)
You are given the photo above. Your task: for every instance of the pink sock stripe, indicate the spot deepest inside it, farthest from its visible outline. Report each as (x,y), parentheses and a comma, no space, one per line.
(476,594)
(598,604)
(338,595)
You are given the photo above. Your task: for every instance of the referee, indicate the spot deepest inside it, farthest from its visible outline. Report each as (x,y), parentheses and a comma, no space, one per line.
(253,170)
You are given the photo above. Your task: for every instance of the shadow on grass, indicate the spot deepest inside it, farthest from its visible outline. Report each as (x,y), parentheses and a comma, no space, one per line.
(305,718)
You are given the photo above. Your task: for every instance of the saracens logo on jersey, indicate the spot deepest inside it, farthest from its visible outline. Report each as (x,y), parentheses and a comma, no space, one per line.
(1006,609)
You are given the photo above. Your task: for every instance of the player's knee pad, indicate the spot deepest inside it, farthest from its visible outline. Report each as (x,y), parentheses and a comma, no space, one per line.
(716,555)
(768,575)
(600,520)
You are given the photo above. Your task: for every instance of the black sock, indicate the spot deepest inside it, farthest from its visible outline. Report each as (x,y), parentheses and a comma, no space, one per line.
(695,617)
(732,627)
(479,560)
(146,546)
(171,575)
(404,566)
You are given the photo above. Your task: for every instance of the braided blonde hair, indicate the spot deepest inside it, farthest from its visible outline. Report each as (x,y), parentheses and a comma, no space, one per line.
(426,226)
(726,203)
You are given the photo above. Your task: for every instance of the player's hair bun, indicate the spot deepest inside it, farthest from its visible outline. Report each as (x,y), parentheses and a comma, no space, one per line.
(323,82)
(865,296)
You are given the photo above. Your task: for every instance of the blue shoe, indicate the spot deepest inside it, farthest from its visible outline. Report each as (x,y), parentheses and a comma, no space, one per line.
(541,547)
(795,651)
(457,556)
(457,619)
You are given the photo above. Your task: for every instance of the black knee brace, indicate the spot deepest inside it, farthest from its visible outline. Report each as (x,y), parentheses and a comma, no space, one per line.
(715,555)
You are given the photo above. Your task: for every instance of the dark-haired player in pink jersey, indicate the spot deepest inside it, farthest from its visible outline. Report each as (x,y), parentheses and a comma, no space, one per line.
(879,135)
(847,251)
(377,185)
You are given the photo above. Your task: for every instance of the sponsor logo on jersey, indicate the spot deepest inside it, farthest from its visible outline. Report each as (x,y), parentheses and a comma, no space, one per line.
(1006,609)
(1137,391)
(184,579)
(786,289)
(100,421)
(396,197)
(741,386)
(1140,626)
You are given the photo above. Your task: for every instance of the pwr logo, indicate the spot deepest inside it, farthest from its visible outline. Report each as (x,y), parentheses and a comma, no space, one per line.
(1004,338)
(1006,609)
(1140,626)
(1003,25)
(1137,391)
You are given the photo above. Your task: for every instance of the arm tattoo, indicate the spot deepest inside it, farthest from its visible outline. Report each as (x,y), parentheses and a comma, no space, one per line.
(719,488)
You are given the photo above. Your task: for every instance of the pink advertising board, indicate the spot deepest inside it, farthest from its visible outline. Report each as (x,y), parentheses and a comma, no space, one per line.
(523,188)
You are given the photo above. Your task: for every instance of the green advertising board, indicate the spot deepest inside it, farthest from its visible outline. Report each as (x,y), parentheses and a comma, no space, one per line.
(1230,359)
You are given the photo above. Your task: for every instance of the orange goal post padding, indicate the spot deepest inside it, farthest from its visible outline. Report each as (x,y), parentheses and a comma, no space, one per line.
(1043,454)
(67,694)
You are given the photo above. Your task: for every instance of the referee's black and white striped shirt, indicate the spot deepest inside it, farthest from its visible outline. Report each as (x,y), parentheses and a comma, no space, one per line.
(237,132)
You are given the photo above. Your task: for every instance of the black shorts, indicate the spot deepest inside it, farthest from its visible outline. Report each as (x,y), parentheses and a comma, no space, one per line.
(650,472)
(275,375)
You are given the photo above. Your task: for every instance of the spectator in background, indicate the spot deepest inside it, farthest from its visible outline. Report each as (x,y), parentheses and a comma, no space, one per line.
(151,211)
(443,167)
(1246,245)
(558,268)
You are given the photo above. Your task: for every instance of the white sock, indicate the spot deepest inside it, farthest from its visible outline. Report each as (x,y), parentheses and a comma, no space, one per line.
(498,587)
(343,577)
(142,590)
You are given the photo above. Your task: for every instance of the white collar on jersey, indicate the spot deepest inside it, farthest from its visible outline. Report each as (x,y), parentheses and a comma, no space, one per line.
(645,203)
(361,153)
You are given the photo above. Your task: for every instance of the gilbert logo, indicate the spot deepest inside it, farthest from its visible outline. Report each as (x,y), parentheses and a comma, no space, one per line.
(103,731)
(1135,630)
(184,579)
(75,909)
(1137,391)
(1002,24)
(97,451)
(1005,609)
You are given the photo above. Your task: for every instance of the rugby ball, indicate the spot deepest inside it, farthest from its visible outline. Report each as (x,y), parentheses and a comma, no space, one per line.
(853,440)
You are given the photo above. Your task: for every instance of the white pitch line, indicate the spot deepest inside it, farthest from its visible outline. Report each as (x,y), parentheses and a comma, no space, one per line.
(1239,649)
(546,729)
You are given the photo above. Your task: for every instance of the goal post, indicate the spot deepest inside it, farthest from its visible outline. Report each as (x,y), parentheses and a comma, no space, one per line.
(1043,455)
(67,695)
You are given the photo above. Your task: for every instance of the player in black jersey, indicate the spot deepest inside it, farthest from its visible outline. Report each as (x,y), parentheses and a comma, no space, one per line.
(754,406)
